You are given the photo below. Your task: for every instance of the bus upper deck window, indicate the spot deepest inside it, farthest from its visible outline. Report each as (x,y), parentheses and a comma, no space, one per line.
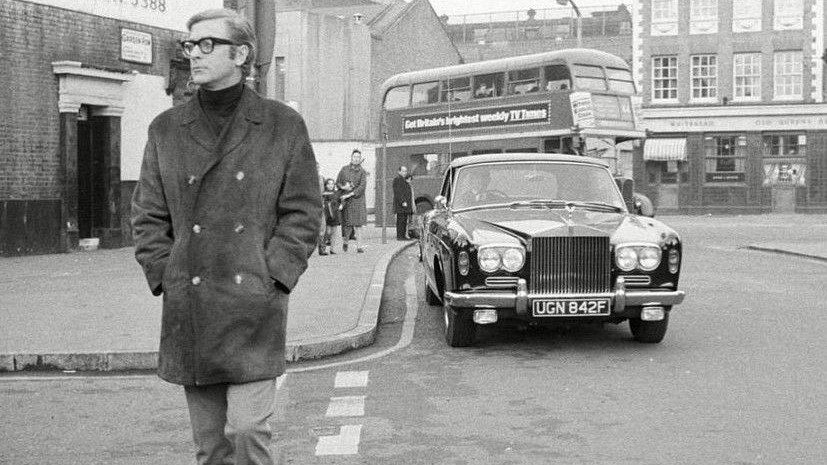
(488,85)
(525,81)
(425,93)
(397,97)
(456,90)
(589,77)
(620,80)
(557,78)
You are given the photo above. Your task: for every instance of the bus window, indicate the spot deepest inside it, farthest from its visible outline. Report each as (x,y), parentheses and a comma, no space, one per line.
(525,81)
(486,151)
(397,97)
(425,93)
(526,150)
(557,78)
(429,164)
(589,77)
(488,85)
(620,80)
(456,90)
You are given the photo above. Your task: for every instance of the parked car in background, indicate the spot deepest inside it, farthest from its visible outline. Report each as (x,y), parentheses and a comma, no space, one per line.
(545,239)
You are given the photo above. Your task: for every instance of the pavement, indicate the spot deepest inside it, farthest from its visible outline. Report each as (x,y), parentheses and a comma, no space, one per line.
(92,311)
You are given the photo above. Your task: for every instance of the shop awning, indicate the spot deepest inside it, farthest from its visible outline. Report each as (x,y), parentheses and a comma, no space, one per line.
(664,150)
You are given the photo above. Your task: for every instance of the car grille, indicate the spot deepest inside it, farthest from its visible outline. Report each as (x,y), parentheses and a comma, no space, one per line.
(501,282)
(640,281)
(570,265)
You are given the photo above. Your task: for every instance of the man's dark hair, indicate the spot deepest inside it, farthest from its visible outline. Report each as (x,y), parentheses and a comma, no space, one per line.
(240,29)
(355,151)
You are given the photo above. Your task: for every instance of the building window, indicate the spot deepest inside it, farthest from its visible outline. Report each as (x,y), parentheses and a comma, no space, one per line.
(746,16)
(704,77)
(788,75)
(665,79)
(785,145)
(664,10)
(788,14)
(703,17)
(746,73)
(725,158)
(664,17)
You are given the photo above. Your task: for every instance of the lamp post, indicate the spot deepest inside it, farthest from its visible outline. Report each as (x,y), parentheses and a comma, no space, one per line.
(579,19)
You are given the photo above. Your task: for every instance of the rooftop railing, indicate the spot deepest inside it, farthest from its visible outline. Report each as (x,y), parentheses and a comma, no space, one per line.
(540,24)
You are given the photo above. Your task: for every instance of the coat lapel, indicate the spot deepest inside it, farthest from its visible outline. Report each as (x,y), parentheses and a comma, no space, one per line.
(197,125)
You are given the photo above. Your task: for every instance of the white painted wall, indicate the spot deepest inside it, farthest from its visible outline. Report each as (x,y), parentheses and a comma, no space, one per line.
(167,14)
(145,98)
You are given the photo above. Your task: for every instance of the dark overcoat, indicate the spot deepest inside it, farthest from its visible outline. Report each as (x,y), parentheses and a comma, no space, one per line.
(223,228)
(355,211)
(402,193)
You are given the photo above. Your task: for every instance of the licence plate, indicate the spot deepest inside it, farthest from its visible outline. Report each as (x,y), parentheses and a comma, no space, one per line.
(570,307)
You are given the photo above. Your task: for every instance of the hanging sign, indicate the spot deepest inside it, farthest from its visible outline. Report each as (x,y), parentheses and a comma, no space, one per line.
(136,46)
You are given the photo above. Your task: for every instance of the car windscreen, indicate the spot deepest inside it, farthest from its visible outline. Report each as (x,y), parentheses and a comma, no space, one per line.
(505,183)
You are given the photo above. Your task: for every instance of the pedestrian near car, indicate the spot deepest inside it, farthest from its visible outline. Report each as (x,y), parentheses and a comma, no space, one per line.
(352,180)
(225,215)
(402,201)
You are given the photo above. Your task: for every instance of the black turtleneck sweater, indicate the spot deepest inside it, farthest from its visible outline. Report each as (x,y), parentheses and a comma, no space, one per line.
(220,105)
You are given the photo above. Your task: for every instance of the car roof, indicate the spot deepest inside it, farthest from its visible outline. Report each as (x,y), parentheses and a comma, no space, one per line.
(518,157)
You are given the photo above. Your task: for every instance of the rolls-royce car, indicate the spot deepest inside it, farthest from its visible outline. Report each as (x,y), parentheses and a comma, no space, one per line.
(545,239)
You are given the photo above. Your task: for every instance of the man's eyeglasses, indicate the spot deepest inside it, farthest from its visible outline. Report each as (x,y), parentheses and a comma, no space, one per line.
(206,45)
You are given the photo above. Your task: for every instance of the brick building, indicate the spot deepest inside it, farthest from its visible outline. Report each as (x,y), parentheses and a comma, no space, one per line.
(81,82)
(734,99)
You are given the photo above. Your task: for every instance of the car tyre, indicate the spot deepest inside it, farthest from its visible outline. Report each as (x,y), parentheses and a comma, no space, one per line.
(460,329)
(430,297)
(649,332)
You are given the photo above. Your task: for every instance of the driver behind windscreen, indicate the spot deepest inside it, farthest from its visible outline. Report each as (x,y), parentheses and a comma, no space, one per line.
(476,192)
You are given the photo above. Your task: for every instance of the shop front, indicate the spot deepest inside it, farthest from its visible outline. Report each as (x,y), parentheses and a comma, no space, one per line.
(708,160)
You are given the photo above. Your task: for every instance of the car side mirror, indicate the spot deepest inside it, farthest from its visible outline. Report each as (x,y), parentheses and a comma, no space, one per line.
(441,202)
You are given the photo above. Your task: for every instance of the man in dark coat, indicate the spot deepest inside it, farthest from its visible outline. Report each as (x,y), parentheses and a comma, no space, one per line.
(352,180)
(225,215)
(402,202)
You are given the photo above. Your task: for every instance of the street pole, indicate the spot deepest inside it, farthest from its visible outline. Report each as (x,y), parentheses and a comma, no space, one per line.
(384,135)
(579,20)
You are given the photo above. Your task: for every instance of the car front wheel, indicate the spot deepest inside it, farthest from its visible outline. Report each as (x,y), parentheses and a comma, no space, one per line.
(650,332)
(460,329)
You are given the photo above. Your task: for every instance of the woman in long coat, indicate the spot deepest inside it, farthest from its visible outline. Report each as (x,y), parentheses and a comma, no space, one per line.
(352,180)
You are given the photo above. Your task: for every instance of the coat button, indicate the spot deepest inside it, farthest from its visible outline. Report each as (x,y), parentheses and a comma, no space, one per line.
(239,228)
(191,180)
(239,175)
(237,279)
(196,229)
(196,280)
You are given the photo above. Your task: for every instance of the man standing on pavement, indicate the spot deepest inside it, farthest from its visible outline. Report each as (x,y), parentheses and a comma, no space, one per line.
(225,215)
(402,202)
(352,180)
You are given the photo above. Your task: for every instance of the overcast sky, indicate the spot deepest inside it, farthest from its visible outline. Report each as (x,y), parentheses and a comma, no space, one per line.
(461,7)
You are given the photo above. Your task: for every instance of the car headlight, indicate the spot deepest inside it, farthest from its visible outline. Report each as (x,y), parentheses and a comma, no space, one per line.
(626,258)
(644,257)
(489,260)
(674,260)
(648,258)
(494,257)
(463,263)
(513,259)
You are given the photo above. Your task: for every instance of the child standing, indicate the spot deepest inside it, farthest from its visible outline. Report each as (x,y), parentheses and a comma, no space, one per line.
(332,215)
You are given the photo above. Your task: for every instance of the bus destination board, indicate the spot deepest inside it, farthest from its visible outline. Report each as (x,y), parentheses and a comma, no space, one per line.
(511,115)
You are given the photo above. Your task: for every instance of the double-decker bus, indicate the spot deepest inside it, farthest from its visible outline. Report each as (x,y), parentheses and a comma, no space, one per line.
(575,101)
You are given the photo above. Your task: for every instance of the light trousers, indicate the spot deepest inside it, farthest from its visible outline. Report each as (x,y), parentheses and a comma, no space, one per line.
(229,422)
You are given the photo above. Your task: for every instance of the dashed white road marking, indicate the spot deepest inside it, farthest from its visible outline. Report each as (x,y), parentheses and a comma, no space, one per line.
(346,406)
(345,443)
(350,379)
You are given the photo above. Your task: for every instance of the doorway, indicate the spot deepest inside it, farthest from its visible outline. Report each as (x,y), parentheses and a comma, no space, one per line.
(91,173)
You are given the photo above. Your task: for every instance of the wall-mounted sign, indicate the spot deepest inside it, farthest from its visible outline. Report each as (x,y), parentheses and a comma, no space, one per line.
(738,123)
(136,46)
(529,113)
(784,173)
(725,177)
(166,14)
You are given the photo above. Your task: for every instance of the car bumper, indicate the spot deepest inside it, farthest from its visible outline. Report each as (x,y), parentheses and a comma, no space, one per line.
(520,300)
